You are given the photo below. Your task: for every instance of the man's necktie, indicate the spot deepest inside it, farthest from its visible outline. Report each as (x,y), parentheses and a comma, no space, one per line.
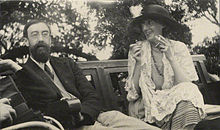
(49,72)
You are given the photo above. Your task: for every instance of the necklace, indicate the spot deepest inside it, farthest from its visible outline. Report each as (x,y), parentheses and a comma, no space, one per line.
(156,66)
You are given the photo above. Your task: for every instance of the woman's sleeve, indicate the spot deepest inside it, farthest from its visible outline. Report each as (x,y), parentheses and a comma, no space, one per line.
(129,86)
(185,60)
(132,93)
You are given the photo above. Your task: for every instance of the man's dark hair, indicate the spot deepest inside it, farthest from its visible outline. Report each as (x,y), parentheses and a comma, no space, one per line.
(31,22)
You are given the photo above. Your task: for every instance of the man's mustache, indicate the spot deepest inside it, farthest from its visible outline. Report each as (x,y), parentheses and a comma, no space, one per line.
(41,44)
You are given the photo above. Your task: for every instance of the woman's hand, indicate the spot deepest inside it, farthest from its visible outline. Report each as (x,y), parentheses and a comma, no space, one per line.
(136,52)
(179,74)
(165,46)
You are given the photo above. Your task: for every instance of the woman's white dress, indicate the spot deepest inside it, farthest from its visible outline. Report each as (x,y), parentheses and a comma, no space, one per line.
(158,105)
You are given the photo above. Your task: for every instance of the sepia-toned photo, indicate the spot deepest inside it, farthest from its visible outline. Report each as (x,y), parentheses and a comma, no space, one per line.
(109,64)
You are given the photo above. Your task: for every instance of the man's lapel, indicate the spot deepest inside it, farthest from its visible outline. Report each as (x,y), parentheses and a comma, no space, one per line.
(34,70)
(65,75)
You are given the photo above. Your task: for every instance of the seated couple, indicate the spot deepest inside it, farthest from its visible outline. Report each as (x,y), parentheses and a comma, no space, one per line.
(159,85)
(49,83)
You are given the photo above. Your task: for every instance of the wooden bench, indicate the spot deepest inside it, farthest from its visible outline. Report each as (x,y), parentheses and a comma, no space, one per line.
(108,77)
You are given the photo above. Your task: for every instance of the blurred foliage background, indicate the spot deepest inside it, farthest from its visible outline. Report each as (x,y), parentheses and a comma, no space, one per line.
(74,32)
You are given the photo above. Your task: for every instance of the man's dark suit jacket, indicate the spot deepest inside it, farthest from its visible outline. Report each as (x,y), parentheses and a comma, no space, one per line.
(40,91)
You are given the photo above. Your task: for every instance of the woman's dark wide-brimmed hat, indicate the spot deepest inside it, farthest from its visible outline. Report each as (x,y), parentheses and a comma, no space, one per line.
(158,13)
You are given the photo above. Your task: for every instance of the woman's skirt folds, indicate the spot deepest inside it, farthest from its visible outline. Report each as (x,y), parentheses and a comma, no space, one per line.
(163,103)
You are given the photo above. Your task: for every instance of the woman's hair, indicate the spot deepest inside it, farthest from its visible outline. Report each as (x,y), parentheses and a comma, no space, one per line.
(135,32)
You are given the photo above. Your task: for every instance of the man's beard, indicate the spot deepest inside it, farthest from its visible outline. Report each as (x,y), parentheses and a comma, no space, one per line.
(40,52)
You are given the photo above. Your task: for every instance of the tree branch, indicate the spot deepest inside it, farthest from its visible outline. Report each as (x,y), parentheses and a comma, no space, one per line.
(213,16)
(216,23)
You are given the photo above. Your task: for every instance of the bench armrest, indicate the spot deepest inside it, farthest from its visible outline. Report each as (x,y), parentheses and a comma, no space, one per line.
(31,124)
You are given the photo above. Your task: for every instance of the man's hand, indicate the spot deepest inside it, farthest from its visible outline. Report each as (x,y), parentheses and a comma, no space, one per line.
(7,113)
(8,64)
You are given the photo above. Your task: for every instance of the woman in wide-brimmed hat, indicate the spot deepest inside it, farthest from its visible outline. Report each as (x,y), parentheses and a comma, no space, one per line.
(160,71)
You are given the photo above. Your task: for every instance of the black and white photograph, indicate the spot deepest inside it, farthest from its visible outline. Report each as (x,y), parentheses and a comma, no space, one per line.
(109,65)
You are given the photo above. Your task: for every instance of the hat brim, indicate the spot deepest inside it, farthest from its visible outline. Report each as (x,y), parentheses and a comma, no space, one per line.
(169,22)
